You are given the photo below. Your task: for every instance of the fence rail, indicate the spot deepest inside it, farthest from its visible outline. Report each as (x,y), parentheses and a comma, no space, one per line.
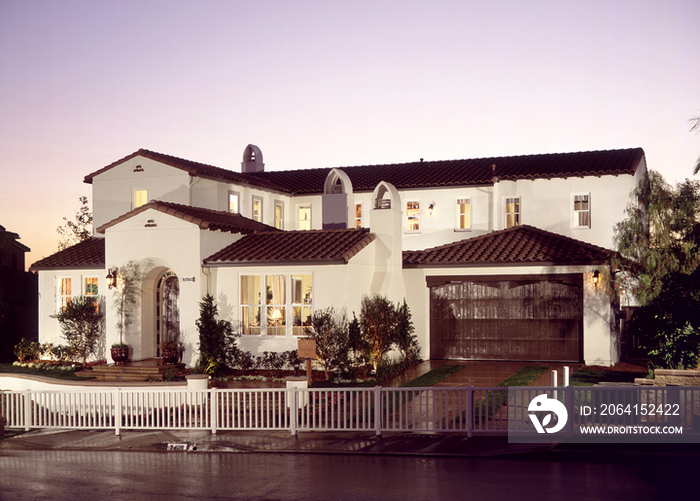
(461,409)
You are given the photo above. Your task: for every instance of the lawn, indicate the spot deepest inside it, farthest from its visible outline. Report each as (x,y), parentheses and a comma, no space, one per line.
(54,373)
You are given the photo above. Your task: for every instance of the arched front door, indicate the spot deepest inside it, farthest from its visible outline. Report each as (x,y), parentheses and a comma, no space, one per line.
(167,312)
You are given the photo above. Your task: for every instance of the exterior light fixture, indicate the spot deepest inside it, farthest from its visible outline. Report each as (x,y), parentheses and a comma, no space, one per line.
(111,279)
(430,208)
(596,277)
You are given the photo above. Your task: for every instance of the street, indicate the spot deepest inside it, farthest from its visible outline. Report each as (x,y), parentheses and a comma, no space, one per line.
(56,475)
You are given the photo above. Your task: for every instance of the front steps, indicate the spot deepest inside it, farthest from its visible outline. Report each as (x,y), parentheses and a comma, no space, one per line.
(152,369)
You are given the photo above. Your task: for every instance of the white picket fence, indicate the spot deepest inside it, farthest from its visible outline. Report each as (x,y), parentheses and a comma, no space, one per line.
(460,409)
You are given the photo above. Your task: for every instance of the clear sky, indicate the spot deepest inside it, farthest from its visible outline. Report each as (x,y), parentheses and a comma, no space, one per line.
(331,83)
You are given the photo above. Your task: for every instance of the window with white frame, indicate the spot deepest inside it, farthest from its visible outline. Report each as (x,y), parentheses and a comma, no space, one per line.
(140,198)
(358,216)
(464,214)
(279,215)
(64,293)
(582,211)
(512,212)
(304,217)
(286,300)
(233,202)
(412,215)
(257,209)
(91,291)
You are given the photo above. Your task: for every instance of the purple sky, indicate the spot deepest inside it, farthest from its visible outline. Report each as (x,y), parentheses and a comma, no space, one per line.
(331,83)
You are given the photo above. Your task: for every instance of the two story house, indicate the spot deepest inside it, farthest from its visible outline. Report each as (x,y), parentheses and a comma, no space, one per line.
(498,258)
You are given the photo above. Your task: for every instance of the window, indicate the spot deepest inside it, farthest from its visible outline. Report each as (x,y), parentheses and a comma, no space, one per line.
(301,303)
(250,304)
(233,199)
(257,209)
(64,294)
(304,217)
(91,291)
(279,215)
(282,294)
(464,214)
(140,198)
(413,216)
(582,211)
(512,212)
(358,216)
(275,293)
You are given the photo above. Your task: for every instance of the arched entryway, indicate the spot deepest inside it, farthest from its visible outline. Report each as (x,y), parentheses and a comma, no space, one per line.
(166,309)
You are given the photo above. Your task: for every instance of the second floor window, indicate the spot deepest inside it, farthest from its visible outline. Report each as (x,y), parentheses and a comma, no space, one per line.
(304,217)
(279,215)
(512,212)
(358,216)
(233,202)
(140,198)
(464,214)
(413,216)
(582,211)
(257,209)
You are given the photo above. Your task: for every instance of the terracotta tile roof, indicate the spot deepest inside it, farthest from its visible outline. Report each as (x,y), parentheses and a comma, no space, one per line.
(517,245)
(87,254)
(206,219)
(426,174)
(294,247)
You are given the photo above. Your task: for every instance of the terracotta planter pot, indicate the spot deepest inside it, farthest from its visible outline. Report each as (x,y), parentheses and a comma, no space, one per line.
(170,356)
(120,355)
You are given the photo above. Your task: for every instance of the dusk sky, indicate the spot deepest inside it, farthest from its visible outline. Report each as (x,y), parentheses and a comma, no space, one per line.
(331,83)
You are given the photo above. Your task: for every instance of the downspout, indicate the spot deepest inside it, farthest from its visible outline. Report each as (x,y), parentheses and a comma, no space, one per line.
(193,180)
(207,273)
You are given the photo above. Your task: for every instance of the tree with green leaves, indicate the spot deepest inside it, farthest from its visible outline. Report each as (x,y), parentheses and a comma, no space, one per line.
(78,230)
(660,235)
(330,331)
(216,339)
(126,297)
(81,325)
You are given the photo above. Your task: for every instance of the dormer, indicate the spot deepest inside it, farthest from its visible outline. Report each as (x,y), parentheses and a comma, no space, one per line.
(252,160)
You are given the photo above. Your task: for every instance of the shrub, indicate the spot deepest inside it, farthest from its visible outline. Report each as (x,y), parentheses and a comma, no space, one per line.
(81,325)
(330,331)
(216,339)
(27,351)
(273,361)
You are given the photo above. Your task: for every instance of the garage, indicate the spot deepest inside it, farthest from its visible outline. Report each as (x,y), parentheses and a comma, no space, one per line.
(507,317)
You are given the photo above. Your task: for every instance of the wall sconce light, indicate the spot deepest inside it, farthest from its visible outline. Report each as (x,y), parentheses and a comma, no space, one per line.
(430,208)
(596,277)
(111,279)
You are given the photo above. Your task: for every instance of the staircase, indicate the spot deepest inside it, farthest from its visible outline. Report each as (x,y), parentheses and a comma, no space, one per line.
(151,369)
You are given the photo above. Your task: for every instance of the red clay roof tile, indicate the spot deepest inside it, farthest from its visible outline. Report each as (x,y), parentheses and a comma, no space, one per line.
(520,244)
(87,254)
(294,247)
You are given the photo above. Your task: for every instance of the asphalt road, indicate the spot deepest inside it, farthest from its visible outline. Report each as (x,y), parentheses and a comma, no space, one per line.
(117,475)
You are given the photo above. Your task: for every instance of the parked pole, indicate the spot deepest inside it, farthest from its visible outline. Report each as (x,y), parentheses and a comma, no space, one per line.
(554,379)
(566,376)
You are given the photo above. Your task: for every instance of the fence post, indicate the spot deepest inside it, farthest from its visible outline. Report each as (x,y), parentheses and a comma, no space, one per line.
(569,397)
(292,398)
(378,410)
(214,396)
(117,411)
(27,409)
(469,411)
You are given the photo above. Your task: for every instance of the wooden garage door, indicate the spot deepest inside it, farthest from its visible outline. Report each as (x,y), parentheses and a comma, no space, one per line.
(497,319)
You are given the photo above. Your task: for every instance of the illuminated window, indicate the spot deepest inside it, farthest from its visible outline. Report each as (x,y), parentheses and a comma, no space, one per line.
(140,198)
(464,214)
(91,290)
(275,292)
(279,215)
(412,216)
(302,306)
(582,211)
(250,304)
(64,294)
(304,217)
(233,199)
(257,209)
(358,215)
(512,212)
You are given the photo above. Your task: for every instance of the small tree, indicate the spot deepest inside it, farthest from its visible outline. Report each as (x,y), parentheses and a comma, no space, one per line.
(330,331)
(126,296)
(216,339)
(73,232)
(406,341)
(81,325)
(378,321)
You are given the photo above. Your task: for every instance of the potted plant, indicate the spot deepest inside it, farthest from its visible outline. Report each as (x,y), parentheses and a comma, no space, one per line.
(128,285)
(171,350)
